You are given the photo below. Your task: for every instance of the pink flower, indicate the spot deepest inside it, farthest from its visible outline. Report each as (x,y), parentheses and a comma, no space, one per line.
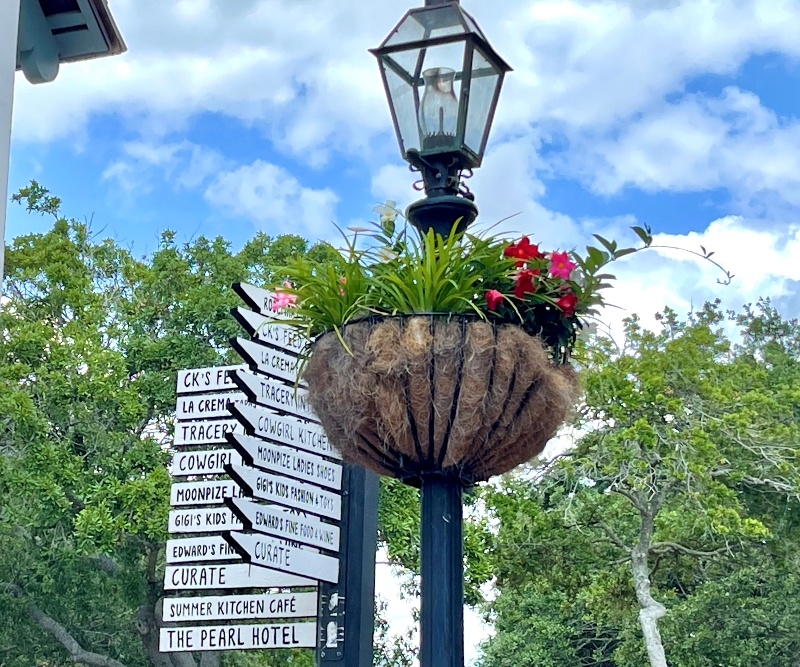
(281,299)
(560,265)
(493,297)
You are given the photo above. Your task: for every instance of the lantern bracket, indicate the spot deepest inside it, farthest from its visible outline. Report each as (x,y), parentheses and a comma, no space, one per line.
(448,200)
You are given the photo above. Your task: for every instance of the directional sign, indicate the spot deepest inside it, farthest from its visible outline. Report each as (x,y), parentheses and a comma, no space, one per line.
(203,462)
(202,493)
(237,575)
(202,520)
(274,394)
(206,406)
(268,360)
(269,331)
(273,520)
(195,549)
(205,432)
(288,461)
(287,492)
(237,607)
(214,378)
(274,554)
(283,430)
(227,637)
(261,300)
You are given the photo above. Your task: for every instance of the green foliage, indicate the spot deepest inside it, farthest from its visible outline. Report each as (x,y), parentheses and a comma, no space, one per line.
(91,340)
(698,434)
(401,272)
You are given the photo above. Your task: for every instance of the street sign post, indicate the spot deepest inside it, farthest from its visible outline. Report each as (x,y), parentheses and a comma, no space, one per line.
(248,431)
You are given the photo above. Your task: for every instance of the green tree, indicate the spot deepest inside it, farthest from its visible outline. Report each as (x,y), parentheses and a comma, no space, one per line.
(91,341)
(686,472)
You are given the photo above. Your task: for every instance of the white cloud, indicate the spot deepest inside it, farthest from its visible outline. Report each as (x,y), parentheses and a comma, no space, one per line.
(184,163)
(697,144)
(764,263)
(272,197)
(301,66)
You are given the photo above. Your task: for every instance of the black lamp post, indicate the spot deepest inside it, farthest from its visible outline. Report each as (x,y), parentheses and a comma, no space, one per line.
(442,81)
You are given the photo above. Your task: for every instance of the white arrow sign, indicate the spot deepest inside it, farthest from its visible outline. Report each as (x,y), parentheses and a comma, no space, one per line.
(236,607)
(277,555)
(203,462)
(275,394)
(237,575)
(202,520)
(288,461)
(227,637)
(268,360)
(261,300)
(214,378)
(269,331)
(193,549)
(285,491)
(205,432)
(203,493)
(284,430)
(206,406)
(276,521)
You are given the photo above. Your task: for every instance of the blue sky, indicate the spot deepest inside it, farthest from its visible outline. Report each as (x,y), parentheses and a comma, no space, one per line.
(228,117)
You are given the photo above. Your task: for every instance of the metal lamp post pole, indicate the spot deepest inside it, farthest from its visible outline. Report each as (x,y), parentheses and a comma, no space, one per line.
(442,573)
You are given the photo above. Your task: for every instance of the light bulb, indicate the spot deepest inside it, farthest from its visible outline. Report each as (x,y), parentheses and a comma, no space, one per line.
(438,111)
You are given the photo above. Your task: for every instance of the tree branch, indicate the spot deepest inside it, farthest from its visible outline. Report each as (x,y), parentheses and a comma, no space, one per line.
(665,547)
(615,539)
(78,654)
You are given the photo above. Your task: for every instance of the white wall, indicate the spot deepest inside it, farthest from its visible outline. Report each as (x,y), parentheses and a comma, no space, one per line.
(9,20)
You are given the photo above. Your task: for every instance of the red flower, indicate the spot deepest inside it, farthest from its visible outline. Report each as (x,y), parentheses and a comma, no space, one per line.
(493,297)
(523,250)
(525,282)
(567,303)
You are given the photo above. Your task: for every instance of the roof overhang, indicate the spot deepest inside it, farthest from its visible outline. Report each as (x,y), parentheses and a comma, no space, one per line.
(58,31)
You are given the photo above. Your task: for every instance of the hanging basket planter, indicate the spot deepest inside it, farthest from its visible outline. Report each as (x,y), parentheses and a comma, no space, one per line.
(452,394)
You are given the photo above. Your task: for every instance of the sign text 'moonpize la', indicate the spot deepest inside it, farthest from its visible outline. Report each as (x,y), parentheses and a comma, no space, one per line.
(202,493)
(276,554)
(285,491)
(202,520)
(284,430)
(205,432)
(268,360)
(203,462)
(191,549)
(214,378)
(288,461)
(236,575)
(267,330)
(206,406)
(274,520)
(238,607)
(231,637)
(275,394)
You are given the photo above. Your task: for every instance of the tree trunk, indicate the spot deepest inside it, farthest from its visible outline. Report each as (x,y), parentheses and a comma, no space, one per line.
(650,611)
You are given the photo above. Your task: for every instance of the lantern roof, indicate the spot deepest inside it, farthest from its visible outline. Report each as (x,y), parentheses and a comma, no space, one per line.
(435,24)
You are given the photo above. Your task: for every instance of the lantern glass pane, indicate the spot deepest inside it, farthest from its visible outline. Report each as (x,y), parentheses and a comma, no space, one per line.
(427,23)
(401,97)
(485,79)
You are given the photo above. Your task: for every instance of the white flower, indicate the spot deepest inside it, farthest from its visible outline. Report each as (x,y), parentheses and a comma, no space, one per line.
(388,211)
